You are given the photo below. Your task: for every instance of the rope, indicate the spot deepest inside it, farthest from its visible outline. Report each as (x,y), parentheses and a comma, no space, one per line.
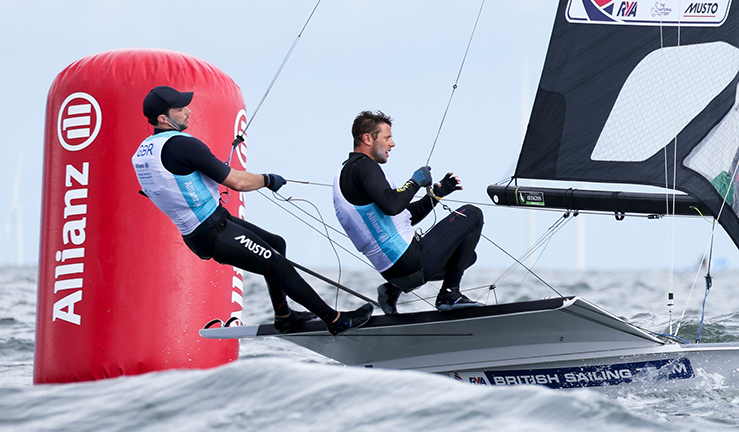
(325,226)
(326,235)
(274,79)
(517,261)
(240,138)
(279,70)
(314,228)
(309,183)
(703,314)
(541,243)
(456,82)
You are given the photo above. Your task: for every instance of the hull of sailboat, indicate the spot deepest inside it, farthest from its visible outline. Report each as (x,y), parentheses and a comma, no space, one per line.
(558,342)
(681,366)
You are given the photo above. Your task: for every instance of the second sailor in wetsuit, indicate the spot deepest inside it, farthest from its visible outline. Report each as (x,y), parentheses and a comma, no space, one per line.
(378,217)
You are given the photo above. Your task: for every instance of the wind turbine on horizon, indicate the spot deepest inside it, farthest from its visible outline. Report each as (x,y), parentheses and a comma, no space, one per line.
(14,221)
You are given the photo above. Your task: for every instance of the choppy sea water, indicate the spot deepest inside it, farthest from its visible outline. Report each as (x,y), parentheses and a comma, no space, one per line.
(276,386)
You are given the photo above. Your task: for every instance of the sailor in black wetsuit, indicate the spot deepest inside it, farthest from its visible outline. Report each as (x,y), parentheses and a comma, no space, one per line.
(180,175)
(378,217)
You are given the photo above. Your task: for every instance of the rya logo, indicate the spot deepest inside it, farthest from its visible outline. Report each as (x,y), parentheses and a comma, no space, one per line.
(627,9)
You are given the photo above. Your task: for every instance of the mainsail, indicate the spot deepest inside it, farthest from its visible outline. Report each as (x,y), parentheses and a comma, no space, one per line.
(631,91)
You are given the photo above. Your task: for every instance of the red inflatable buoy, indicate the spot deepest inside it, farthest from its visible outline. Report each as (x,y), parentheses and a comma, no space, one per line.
(119,292)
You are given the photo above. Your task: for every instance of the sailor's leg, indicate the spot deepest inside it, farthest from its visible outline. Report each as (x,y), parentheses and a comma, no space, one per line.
(241,247)
(449,248)
(276,294)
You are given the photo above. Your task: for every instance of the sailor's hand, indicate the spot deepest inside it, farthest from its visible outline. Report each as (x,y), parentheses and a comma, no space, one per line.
(447,185)
(422,176)
(274,182)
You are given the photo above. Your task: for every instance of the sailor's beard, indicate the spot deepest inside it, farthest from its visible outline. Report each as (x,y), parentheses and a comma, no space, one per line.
(175,125)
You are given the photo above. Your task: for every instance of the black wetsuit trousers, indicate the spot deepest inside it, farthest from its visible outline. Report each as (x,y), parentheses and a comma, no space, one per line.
(233,241)
(445,252)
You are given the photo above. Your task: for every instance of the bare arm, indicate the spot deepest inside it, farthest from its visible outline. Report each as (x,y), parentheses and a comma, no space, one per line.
(243,181)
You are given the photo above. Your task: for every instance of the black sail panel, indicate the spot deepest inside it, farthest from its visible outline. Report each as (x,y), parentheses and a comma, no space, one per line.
(622,97)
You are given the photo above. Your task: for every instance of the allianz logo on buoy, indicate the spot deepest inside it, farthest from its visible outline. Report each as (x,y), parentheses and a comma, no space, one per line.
(79,121)
(69,273)
(78,125)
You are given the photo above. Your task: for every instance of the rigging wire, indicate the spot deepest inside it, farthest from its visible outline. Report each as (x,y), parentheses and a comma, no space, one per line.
(708,254)
(279,70)
(240,137)
(309,183)
(321,221)
(670,193)
(709,249)
(519,262)
(456,82)
(542,242)
(311,226)
(538,244)
(326,226)
(709,283)
(671,205)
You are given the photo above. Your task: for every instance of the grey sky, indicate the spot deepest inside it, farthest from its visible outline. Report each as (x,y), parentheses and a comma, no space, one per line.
(401,57)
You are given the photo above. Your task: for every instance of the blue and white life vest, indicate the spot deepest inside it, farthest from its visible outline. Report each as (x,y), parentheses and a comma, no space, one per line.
(187,199)
(381,238)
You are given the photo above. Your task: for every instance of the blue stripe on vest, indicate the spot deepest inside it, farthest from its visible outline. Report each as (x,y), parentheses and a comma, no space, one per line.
(197,195)
(383,230)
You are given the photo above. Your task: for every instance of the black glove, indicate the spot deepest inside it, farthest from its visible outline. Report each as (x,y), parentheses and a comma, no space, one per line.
(422,176)
(447,185)
(273,181)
